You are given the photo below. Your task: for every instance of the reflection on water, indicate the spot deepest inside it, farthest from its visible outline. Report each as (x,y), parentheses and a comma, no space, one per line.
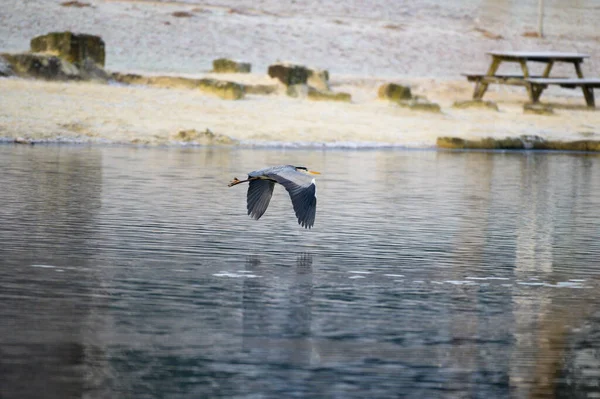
(130,272)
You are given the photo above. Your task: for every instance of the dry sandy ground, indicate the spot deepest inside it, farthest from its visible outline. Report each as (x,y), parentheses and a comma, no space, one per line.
(87,111)
(424,43)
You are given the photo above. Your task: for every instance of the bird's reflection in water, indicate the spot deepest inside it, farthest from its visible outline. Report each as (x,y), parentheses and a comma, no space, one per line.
(277,313)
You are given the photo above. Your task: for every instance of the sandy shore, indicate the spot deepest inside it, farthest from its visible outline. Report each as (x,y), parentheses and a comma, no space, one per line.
(425,45)
(135,114)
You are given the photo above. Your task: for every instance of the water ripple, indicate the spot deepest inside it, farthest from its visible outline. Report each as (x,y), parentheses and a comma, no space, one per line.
(133,272)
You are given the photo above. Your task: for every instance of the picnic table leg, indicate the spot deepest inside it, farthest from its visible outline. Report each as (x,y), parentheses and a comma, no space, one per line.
(529,87)
(578,69)
(535,92)
(481,87)
(548,69)
(477,93)
(588,93)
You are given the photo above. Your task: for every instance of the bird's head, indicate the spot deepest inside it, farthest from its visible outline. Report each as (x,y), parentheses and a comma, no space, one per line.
(305,170)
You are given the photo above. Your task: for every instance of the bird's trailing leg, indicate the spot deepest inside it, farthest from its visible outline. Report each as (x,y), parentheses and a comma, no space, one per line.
(234,182)
(237,181)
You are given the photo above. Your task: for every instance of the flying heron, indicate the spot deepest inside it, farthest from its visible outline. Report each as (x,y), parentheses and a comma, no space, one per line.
(297,180)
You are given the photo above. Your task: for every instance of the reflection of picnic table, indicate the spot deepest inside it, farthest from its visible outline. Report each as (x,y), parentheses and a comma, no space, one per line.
(535,84)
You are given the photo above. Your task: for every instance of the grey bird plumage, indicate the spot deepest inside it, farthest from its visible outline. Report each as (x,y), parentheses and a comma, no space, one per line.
(297,180)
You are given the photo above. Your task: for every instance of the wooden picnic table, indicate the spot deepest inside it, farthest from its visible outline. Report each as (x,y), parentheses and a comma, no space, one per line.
(523,58)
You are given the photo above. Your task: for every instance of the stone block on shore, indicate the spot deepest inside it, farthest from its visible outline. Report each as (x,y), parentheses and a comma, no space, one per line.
(319,79)
(321,95)
(479,104)
(206,137)
(50,67)
(307,92)
(419,104)
(225,90)
(577,145)
(261,89)
(224,65)
(41,66)
(221,88)
(5,68)
(128,78)
(89,70)
(23,140)
(394,92)
(297,91)
(289,74)
(74,48)
(538,109)
(170,82)
(487,143)
(517,143)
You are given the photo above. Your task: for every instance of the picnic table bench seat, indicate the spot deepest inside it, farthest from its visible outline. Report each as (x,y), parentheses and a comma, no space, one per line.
(586,84)
(507,79)
(570,83)
(474,76)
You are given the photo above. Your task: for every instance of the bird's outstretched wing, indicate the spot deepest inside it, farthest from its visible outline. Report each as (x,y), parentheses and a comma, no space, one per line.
(259,195)
(302,190)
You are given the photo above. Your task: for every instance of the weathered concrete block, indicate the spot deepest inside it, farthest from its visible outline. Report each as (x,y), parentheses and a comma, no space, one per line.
(479,104)
(297,91)
(538,109)
(577,145)
(23,140)
(223,89)
(455,143)
(318,95)
(75,48)
(173,82)
(203,138)
(518,143)
(419,104)
(41,66)
(89,70)
(289,74)
(5,68)
(487,143)
(128,78)
(319,79)
(51,67)
(261,89)
(168,82)
(224,65)
(307,92)
(394,92)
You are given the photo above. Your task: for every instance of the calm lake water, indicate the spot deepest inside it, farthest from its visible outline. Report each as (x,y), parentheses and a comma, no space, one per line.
(135,273)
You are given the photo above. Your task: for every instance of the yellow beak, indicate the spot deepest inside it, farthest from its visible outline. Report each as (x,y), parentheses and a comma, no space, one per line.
(312,172)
